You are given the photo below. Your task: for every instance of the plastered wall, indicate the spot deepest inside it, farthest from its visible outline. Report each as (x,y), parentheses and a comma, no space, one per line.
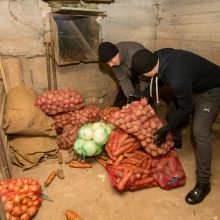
(192,25)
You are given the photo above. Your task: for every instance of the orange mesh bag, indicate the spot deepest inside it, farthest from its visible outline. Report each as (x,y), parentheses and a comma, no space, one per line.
(21,198)
(120,143)
(132,173)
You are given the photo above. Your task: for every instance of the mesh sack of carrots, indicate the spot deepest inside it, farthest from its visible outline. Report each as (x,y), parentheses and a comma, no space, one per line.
(76,118)
(63,100)
(140,120)
(21,198)
(120,143)
(68,137)
(107,113)
(132,173)
(167,171)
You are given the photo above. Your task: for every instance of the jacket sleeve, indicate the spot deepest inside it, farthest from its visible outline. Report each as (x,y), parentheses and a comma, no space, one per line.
(184,99)
(145,88)
(122,75)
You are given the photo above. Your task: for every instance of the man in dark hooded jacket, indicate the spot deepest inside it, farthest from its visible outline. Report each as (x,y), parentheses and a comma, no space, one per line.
(196,85)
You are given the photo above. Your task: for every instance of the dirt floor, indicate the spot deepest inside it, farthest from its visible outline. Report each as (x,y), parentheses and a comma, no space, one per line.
(89,193)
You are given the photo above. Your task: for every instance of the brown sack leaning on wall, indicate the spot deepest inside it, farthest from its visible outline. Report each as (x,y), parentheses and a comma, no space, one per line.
(22,117)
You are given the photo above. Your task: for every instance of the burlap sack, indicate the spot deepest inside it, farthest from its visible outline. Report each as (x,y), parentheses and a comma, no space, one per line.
(22,117)
(27,152)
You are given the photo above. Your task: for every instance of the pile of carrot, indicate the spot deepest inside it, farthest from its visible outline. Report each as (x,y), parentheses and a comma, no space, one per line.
(132,172)
(140,120)
(120,143)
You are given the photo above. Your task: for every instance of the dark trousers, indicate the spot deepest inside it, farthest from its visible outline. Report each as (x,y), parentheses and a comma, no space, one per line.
(206,107)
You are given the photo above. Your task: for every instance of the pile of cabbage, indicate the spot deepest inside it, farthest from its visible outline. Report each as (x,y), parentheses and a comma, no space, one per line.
(92,137)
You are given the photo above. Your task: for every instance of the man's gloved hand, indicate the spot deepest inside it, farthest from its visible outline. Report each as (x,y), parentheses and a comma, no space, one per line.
(132,98)
(160,136)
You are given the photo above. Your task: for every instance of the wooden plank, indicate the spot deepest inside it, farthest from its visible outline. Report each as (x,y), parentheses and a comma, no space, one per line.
(195,45)
(211,28)
(191,19)
(174,7)
(5,164)
(2,101)
(2,72)
(208,53)
(202,37)
(55,38)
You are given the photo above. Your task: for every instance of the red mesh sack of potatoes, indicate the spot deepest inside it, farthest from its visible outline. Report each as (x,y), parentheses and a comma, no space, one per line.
(132,116)
(21,198)
(107,113)
(56,101)
(88,114)
(167,171)
(140,120)
(76,118)
(68,137)
(147,138)
(132,173)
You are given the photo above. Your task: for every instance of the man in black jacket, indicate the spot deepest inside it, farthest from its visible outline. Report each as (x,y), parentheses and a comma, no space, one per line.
(196,85)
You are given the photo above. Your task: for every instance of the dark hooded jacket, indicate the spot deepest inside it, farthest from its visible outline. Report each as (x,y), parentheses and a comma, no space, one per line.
(187,74)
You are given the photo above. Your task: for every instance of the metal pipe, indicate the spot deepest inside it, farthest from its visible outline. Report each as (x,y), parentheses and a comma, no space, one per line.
(53,54)
(48,65)
(53,65)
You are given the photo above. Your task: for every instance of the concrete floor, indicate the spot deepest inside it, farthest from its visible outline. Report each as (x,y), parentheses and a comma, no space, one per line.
(89,193)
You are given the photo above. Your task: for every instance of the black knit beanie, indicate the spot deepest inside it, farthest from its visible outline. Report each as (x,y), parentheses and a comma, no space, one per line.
(143,61)
(107,51)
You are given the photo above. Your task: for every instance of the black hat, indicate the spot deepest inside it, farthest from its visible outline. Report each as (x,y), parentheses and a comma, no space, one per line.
(143,61)
(107,51)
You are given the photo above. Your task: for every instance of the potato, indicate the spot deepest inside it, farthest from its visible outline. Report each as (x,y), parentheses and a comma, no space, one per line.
(141,137)
(153,123)
(154,153)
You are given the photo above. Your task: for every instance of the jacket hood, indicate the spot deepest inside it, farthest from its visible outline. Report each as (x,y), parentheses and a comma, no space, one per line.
(164,60)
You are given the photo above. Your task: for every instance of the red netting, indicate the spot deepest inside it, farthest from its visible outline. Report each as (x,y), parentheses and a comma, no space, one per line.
(168,171)
(132,172)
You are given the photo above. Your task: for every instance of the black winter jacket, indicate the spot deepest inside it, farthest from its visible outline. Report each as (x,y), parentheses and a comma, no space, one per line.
(187,74)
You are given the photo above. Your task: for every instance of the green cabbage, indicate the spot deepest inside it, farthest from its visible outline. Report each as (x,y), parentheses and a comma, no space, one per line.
(86,132)
(100,135)
(109,128)
(99,150)
(78,146)
(97,125)
(90,148)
